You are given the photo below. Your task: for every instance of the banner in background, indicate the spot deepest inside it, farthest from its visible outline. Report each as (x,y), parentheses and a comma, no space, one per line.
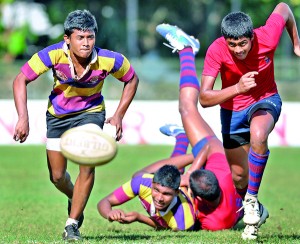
(142,122)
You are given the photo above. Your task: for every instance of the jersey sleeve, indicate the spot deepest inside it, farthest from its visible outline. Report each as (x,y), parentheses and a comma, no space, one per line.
(41,61)
(212,61)
(135,187)
(122,70)
(271,32)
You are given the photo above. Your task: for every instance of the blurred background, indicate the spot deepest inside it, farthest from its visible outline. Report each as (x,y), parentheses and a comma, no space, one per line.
(128,26)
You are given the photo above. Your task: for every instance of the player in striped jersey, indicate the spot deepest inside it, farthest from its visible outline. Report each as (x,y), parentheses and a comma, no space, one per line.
(167,205)
(79,70)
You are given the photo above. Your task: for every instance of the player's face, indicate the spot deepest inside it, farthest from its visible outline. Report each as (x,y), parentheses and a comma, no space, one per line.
(162,196)
(81,43)
(239,48)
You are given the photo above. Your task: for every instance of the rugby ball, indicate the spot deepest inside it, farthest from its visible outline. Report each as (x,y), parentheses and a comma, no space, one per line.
(88,145)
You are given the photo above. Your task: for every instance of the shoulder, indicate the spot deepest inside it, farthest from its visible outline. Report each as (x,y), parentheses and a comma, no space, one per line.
(274,23)
(217,49)
(217,44)
(55,46)
(107,53)
(144,179)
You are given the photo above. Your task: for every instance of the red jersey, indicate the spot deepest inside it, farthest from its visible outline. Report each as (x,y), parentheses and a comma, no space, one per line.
(225,216)
(260,58)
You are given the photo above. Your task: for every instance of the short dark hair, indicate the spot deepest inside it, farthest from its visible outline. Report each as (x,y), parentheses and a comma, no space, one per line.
(204,184)
(168,176)
(81,20)
(236,25)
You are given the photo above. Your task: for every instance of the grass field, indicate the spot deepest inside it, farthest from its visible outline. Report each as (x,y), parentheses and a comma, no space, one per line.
(33,211)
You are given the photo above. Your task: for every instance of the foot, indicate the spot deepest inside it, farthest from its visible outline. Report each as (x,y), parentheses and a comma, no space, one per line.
(251,211)
(71,233)
(177,38)
(250,232)
(172,130)
(81,218)
(264,214)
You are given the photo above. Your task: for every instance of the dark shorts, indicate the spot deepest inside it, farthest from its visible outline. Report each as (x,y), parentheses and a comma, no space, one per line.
(236,125)
(57,126)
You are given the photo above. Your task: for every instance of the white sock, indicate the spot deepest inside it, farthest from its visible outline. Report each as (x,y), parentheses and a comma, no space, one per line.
(71,221)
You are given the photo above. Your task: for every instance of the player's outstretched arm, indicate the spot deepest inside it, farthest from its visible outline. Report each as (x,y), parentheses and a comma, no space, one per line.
(131,217)
(105,208)
(180,161)
(128,94)
(20,97)
(291,26)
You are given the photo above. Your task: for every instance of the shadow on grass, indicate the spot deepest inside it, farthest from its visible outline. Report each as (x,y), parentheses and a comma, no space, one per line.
(122,237)
(291,238)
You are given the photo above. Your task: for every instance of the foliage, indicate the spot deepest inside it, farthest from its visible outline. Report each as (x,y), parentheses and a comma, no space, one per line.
(200,18)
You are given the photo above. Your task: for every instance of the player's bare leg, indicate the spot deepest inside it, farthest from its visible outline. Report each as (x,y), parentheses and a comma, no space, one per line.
(57,165)
(82,189)
(195,126)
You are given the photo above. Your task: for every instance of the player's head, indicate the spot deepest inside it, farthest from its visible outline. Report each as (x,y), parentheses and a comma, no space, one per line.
(80,34)
(81,20)
(237,29)
(165,186)
(204,184)
(236,25)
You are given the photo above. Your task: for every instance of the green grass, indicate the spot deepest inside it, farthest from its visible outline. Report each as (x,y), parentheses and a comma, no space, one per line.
(33,211)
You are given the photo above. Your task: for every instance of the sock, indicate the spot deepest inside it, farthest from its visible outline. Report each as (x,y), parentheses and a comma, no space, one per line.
(181,145)
(242,192)
(71,221)
(188,74)
(257,164)
(200,144)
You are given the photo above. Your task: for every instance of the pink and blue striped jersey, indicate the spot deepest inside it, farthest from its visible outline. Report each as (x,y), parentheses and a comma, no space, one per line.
(72,94)
(180,216)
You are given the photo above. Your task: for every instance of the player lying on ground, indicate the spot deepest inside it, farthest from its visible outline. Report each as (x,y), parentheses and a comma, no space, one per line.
(167,205)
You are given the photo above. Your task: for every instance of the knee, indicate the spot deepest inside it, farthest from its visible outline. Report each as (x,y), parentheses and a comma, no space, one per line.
(87,172)
(240,179)
(57,177)
(186,108)
(259,138)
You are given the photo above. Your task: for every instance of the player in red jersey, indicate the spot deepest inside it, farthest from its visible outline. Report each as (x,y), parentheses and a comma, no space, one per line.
(249,100)
(215,198)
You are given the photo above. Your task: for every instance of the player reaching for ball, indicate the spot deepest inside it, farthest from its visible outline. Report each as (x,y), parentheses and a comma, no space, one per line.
(168,206)
(249,100)
(79,69)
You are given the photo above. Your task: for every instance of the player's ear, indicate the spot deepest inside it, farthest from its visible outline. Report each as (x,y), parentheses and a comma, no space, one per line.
(67,39)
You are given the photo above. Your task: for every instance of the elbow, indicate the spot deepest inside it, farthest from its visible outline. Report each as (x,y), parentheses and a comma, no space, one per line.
(204,103)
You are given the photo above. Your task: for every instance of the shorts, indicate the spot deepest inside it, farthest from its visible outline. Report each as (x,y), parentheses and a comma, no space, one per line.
(236,124)
(57,126)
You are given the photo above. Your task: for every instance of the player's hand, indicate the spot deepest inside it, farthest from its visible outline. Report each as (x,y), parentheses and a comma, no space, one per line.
(185,180)
(21,130)
(129,217)
(246,82)
(297,50)
(117,122)
(116,215)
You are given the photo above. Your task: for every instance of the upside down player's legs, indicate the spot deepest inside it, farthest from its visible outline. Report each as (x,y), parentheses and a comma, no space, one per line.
(195,126)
